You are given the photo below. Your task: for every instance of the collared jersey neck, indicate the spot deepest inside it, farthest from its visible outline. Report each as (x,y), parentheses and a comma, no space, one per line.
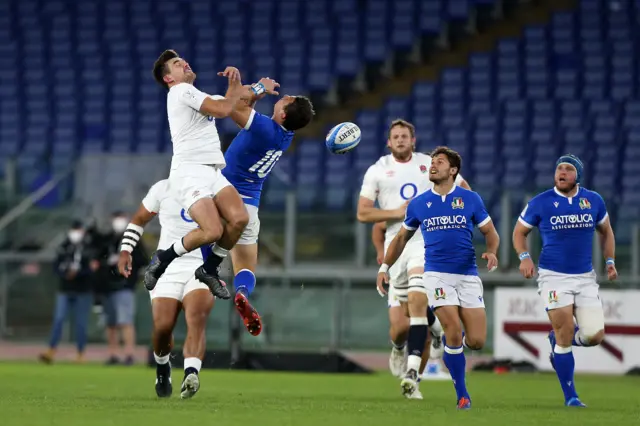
(569,198)
(444,197)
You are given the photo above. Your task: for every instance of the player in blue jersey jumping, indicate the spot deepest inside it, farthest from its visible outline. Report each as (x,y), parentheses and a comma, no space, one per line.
(250,158)
(446,215)
(567,217)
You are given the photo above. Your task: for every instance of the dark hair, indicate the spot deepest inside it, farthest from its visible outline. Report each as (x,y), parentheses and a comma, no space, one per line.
(298,113)
(455,160)
(160,66)
(402,123)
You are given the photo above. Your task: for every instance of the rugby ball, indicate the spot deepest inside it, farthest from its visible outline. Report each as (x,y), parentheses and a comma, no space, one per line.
(343,138)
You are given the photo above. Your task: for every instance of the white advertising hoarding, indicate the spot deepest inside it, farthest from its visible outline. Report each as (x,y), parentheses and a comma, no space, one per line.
(521,327)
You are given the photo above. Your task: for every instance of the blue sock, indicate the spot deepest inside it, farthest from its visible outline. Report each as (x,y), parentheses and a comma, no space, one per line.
(245,282)
(565,364)
(456,363)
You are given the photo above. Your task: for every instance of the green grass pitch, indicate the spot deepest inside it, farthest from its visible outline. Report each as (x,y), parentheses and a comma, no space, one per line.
(93,395)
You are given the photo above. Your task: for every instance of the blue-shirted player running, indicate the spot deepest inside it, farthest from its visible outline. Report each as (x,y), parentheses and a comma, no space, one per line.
(567,217)
(250,158)
(446,216)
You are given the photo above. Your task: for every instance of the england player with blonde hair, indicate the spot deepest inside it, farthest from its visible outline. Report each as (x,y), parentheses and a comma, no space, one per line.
(393,181)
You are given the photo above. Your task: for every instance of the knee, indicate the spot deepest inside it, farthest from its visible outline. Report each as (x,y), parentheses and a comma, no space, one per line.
(163,327)
(197,319)
(213,232)
(475,343)
(240,220)
(564,334)
(452,332)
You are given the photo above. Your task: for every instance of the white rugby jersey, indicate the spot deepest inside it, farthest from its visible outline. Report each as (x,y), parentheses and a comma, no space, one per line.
(175,222)
(392,183)
(194,135)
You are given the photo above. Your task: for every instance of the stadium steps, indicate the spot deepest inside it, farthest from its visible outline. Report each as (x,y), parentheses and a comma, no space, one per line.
(539,12)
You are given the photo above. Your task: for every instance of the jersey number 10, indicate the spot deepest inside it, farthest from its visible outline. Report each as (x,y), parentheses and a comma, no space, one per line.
(263,166)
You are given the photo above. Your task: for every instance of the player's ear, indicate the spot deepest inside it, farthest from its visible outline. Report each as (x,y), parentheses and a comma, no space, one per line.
(167,79)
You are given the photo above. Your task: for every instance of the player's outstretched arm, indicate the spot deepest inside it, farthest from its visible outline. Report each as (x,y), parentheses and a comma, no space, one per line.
(241,114)
(131,237)
(608,244)
(393,253)
(377,237)
(492,240)
(519,240)
(367,212)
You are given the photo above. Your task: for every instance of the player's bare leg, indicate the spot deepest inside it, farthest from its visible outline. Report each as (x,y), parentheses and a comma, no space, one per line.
(197,305)
(245,261)
(418,334)
(231,208)
(165,314)
(205,213)
(475,328)
(561,339)
(454,357)
(398,332)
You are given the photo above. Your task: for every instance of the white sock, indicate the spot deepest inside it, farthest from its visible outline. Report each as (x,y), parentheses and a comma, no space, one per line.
(560,350)
(193,362)
(219,251)
(413,362)
(161,359)
(178,247)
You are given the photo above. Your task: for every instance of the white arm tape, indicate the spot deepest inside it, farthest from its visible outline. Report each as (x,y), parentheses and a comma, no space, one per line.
(131,236)
(384,268)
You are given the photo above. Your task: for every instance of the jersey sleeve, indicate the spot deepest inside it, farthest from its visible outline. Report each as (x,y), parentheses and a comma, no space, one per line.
(480,214)
(601,212)
(411,221)
(151,201)
(370,184)
(190,96)
(260,123)
(529,217)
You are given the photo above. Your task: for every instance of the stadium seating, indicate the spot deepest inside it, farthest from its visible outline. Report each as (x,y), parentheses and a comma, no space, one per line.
(569,86)
(77,80)
(78,73)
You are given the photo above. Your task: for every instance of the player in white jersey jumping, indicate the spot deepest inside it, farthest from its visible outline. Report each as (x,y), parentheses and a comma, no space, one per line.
(177,288)
(567,217)
(196,178)
(394,180)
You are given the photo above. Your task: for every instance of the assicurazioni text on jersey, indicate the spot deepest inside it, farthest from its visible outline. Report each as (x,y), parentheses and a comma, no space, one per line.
(566,227)
(253,154)
(446,223)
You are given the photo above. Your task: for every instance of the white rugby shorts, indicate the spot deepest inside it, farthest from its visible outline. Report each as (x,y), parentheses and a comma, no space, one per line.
(445,289)
(412,257)
(250,233)
(559,290)
(192,182)
(178,280)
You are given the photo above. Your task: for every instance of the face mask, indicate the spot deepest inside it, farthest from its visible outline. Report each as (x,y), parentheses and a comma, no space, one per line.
(75,236)
(119,224)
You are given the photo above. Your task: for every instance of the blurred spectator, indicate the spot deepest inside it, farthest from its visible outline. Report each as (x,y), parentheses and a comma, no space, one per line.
(75,264)
(119,292)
